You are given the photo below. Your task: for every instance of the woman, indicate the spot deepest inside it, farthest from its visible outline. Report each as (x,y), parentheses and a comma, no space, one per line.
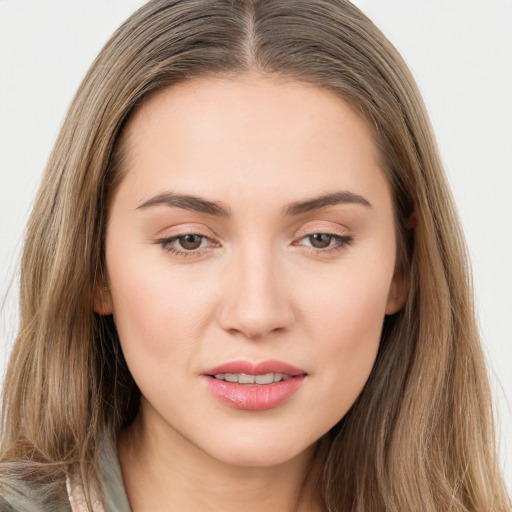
(244,284)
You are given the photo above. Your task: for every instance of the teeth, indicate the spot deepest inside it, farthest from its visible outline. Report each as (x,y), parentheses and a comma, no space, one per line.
(243,378)
(246,379)
(264,379)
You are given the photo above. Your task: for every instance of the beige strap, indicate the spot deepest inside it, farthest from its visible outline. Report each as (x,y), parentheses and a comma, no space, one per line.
(77,498)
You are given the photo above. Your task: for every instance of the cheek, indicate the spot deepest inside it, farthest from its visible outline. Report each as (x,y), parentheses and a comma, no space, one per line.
(345,320)
(161,319)
(153,304)
(350,308)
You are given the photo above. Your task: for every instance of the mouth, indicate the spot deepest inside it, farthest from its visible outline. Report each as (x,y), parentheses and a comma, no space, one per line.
(244,378)
(247,386)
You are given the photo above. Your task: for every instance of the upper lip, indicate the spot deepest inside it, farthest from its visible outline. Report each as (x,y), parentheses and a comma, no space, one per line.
(261,368)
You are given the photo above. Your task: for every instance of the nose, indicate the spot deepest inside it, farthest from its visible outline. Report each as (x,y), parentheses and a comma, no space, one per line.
(256,303)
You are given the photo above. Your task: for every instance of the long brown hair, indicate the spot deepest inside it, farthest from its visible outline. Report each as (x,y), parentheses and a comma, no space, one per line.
(420,436)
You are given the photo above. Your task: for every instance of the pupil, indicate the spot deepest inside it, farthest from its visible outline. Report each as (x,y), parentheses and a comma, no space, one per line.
(320,240)
(190,242)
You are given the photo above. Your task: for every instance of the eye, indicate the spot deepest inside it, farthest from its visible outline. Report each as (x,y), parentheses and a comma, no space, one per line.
(325,242)
(190,242)
(187,244)
(320,240)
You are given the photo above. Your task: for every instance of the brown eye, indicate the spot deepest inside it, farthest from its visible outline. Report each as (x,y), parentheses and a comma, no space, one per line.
(320,240)
(190,242)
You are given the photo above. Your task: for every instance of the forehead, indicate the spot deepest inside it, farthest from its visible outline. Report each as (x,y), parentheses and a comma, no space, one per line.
(249,101)
(248,135)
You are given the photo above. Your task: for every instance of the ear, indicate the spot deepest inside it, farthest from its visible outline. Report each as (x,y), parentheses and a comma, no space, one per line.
(400,282)
(102,299)
(397,291)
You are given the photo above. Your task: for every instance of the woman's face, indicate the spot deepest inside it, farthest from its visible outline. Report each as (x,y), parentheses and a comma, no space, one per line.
(250,256)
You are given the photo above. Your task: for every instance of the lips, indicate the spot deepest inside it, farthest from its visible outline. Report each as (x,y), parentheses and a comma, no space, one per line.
(248,386)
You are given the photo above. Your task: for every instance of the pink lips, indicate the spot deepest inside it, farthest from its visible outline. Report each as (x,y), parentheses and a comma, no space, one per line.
(254,397)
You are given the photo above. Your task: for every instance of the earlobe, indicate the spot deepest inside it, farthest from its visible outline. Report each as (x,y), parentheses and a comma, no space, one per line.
(102,302)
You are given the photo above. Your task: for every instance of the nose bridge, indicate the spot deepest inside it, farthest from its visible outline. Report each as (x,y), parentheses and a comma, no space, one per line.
(256,303)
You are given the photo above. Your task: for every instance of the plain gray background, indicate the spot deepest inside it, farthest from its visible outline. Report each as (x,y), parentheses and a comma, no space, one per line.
(460,52)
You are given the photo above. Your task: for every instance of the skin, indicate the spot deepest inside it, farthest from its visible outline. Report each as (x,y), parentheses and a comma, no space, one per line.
(255,289)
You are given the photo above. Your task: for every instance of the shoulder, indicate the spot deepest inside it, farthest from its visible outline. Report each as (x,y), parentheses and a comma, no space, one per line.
(20,496)
(5,506)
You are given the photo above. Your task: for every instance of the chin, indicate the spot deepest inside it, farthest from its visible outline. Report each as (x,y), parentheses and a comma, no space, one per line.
(246,451)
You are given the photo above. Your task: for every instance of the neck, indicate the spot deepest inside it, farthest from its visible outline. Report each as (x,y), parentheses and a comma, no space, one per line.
(163,472)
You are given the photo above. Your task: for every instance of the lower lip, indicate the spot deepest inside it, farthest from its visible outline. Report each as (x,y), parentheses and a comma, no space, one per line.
(254,397)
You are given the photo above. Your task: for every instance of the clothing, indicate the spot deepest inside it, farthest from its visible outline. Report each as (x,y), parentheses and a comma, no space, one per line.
(69,497)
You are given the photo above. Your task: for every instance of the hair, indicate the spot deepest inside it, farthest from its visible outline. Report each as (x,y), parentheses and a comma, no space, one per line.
(420,436)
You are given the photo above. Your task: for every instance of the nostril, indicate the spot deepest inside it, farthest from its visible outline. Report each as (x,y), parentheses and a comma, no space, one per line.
(256,304)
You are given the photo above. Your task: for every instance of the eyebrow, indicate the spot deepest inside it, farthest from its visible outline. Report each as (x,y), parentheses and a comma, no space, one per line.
(187,202)
(341,197)
(198,204)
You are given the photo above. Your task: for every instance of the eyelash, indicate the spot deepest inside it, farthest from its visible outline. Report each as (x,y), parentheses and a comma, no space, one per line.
(166,244)
(341,242)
